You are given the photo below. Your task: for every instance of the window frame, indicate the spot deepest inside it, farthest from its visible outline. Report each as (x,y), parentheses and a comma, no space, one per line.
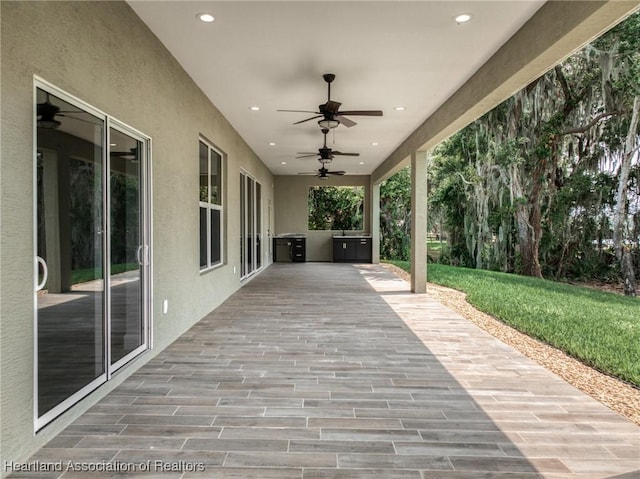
(210,205)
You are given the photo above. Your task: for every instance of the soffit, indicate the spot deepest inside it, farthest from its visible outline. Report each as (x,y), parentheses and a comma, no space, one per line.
(384,54)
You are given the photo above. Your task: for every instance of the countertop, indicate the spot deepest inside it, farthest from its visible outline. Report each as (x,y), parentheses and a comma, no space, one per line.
(351,236)
(291,235)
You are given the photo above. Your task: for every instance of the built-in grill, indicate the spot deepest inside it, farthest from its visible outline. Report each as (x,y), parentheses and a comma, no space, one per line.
(290,247)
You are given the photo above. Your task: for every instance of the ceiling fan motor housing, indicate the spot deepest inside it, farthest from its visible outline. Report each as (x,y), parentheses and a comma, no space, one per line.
(329,77)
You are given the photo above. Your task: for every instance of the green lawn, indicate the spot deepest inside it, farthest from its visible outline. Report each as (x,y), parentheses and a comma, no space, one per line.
(84,275)
(436,248)
(601,329)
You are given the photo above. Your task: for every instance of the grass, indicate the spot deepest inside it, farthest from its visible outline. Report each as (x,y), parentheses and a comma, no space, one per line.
(600,329)
(89,274)
(436,248)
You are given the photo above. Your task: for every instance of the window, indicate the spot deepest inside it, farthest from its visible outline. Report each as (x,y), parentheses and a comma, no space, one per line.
(211,207)
(336,207)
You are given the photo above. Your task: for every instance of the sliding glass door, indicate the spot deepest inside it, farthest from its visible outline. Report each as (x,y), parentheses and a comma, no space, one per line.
(91,246)
(127,248)
(250,225)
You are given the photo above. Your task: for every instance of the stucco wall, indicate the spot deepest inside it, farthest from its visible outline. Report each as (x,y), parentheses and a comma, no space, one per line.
(103,54)
(291,212)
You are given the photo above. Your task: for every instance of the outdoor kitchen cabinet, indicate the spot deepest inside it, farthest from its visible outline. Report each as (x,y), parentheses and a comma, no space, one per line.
(352,249)
(289,248)
(298,249)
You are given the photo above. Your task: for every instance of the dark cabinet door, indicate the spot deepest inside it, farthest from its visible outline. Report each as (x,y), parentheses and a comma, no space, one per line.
(352,250)
(338,250)
(281,250)
(363,250)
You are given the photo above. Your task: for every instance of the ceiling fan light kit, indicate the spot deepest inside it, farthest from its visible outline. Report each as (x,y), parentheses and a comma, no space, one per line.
(328,124)
(48,123)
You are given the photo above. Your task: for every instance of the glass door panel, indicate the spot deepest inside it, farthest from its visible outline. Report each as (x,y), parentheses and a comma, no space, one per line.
(258,226)
(69,249)
(243,226)
(127,251)
(250,226)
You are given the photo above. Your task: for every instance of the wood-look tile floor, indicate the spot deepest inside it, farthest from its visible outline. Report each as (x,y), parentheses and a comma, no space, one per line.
(321,370)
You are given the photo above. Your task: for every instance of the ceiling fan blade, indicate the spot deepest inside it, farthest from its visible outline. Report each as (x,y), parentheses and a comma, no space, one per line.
(345,121)
(301,111)
(308,173)
(345,154)
(361,113)
(310,155)
(97,122)
(339,173)
(308,119)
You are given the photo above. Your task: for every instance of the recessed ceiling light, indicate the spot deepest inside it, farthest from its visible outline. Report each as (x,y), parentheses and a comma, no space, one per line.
(400,108)
(362,162)
(283,162)
(463,18)
(205,17)
(254,108)
(375,143)
(272,143)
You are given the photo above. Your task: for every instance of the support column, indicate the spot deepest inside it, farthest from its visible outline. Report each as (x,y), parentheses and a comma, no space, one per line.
(375,222)
(418,222)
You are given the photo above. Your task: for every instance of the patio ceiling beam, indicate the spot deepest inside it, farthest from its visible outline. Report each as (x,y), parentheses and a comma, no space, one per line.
(558,29)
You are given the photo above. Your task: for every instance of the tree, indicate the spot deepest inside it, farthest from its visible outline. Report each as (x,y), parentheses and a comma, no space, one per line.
(531,184)
(336,207)
(395,216)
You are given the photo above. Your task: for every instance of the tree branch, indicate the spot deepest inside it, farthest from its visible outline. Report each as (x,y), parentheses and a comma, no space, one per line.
(592,123)
(568,97)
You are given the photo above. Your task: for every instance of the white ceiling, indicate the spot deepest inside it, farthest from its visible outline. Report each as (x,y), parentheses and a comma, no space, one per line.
(384,54)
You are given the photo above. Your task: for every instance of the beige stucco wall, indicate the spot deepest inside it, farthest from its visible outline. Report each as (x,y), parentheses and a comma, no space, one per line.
(291,211)
(103,54)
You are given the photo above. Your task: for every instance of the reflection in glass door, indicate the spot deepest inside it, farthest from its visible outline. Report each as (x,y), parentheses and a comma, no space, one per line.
(91,250)
(127,251)
(70,246)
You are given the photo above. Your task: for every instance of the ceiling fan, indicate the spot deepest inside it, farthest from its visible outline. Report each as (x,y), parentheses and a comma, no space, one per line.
(132,154)
(326,154)
(323,173)
(330,111)
(47,113)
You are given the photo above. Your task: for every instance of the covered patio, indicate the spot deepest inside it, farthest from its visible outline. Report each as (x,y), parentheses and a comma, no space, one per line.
(321,370)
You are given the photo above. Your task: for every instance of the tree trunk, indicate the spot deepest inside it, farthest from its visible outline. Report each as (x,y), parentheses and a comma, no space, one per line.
(620,210)
(530,239)
(626,267)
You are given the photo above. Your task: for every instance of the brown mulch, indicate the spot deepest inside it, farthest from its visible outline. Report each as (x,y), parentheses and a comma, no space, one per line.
(613,393)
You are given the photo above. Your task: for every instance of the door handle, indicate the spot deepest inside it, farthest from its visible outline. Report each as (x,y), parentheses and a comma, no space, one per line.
(142,255)
(45,271)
